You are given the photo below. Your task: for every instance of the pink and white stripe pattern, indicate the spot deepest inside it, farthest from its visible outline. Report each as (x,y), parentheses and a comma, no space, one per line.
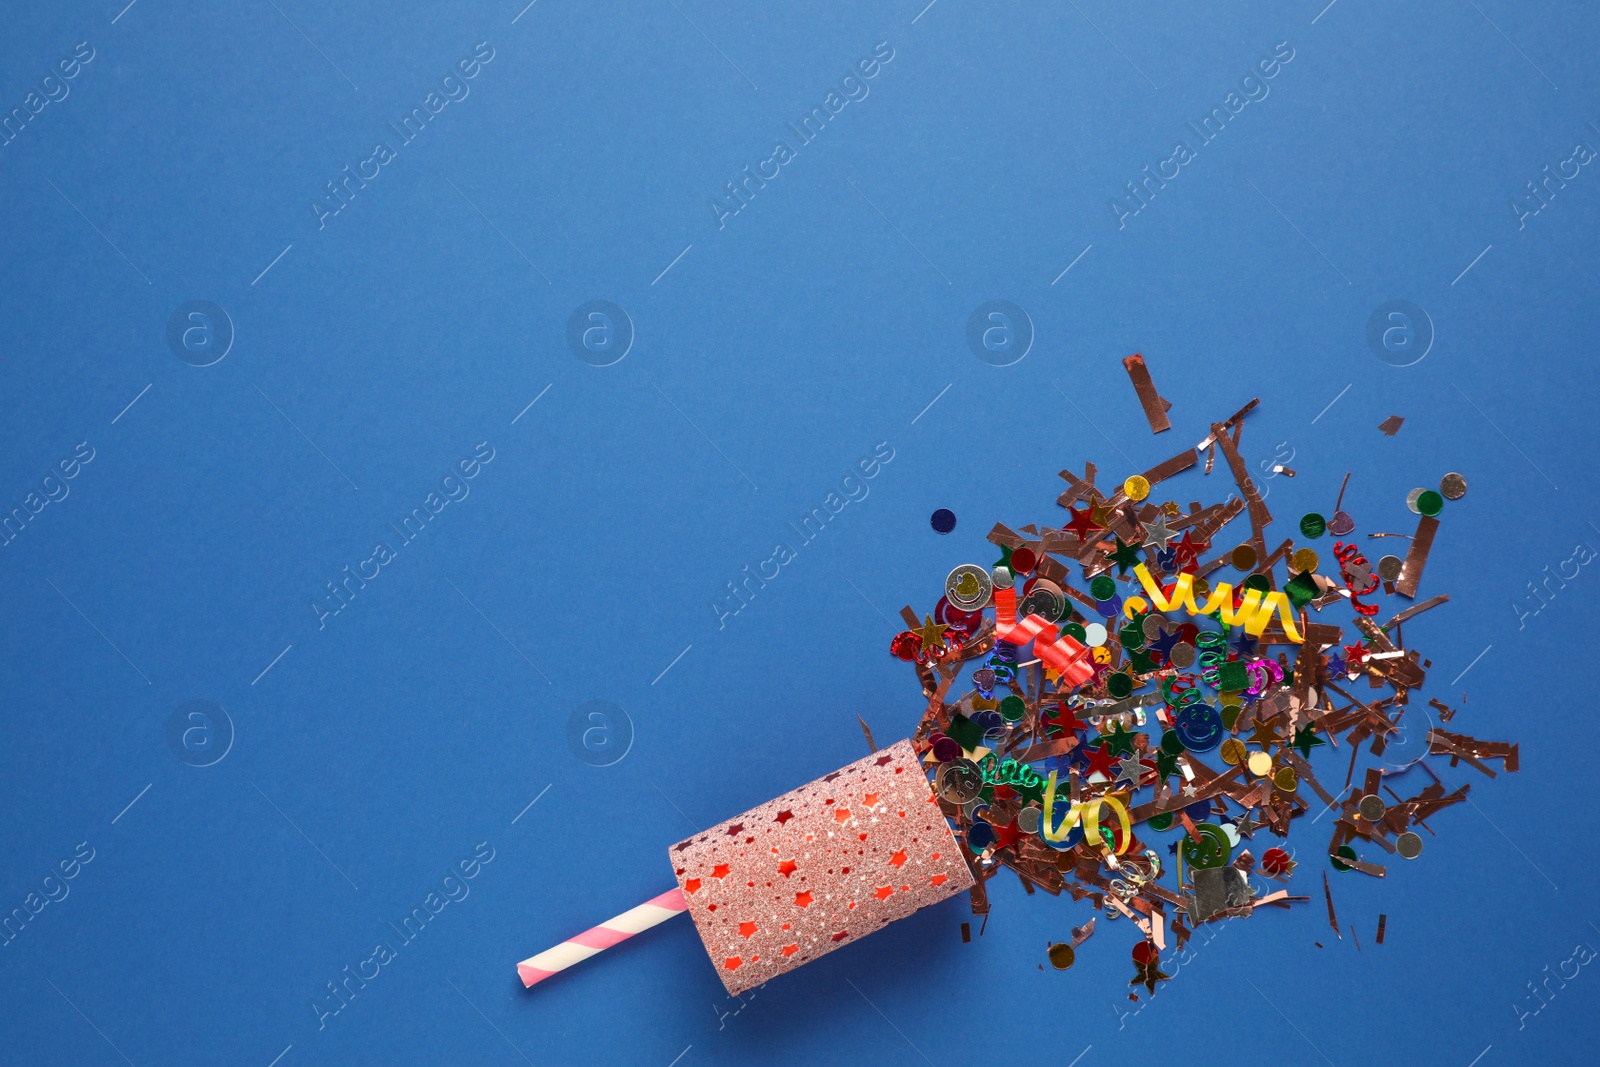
(575,949)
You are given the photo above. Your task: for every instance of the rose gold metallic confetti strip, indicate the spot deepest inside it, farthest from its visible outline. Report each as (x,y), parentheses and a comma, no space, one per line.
(1155,408)
(1417,556)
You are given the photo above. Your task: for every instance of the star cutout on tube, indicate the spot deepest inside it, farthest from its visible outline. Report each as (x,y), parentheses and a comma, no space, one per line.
(783,817)
(734,829)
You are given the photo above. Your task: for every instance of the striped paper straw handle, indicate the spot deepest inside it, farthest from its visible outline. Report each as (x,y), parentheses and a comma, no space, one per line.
(574,949)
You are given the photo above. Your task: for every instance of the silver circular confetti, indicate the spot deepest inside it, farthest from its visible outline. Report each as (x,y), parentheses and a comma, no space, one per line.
(1046,600)
(1028,820)
(968,587)
(1389,568)
(960,781)
(1003,578)
(1452,486)
(1372,807)
(1409,845)
(1411,500)
(1183,656)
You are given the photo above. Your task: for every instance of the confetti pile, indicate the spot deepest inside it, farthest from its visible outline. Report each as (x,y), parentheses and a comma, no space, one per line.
(1125,739)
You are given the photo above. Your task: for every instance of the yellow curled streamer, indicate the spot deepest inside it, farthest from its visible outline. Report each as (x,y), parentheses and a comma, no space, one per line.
(1086,812)
(1254,611)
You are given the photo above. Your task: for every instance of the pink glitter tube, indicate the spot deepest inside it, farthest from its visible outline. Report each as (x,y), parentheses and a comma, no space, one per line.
(804,873)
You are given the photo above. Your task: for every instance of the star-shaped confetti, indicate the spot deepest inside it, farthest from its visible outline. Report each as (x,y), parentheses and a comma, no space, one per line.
(1163,644)
(1149,974)
(1066,719)
(1082,523)
(1243,643)
(1188,550)
(1306,739)
(1157,534)
(931,633)
(1166,764)
(1005,558)
(1129,771)
(1100,514)
(1119,741)
(1125,556)
(1265,733)
(1007,836)
(1099,760)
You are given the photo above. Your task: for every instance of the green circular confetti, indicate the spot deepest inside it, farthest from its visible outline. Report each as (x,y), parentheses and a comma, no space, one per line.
(1075,631)
(1258,582)
(1430,503)
(1313,525)
(1013,708)
(1103,588)
(1211,850)
(1348,853)
(1171,742)
(1160,822)
(1119,685)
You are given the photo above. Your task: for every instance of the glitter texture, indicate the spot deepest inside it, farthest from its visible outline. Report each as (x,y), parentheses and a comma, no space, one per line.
(818,868)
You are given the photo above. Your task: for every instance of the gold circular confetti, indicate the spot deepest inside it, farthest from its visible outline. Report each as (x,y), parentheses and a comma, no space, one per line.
(1202,590)
(1304,560)
(1260,764)
(1244,557)
(1233,752)
(1062,955)
(1136,487)
(1286,780)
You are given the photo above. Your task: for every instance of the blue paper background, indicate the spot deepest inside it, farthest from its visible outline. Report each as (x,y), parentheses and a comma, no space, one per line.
(374,353)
